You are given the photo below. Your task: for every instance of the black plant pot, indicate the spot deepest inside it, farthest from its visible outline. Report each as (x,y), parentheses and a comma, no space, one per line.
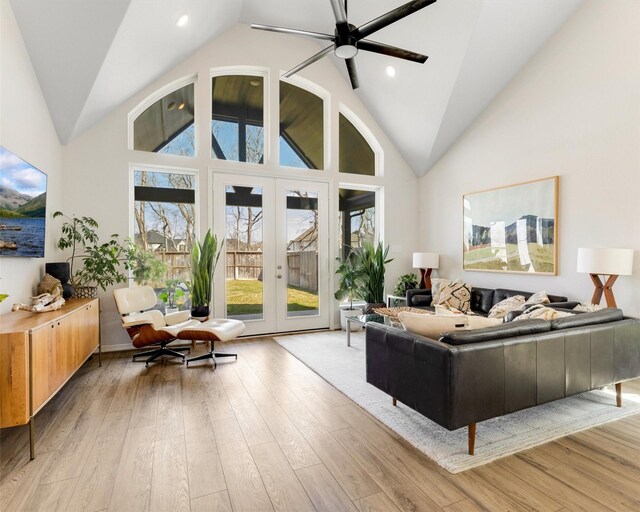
(61,271)
(200,312)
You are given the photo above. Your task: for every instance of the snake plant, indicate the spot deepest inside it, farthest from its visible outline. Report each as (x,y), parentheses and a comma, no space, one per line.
(204,258)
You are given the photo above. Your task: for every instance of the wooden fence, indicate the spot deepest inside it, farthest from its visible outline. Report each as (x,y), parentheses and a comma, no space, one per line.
(178,263)
(302,265)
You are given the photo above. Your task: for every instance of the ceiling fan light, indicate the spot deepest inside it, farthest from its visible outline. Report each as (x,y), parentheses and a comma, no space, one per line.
(391,71)
(346,51)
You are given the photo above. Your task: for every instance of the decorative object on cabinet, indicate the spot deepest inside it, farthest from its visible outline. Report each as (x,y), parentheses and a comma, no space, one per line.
(39,354)
(61,271)
(512,228)
(611,263)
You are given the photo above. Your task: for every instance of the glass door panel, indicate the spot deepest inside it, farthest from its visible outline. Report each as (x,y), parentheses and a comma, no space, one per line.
(243,252)
(302,253)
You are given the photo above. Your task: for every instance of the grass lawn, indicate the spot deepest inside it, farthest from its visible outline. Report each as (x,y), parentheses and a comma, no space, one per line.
(244,297)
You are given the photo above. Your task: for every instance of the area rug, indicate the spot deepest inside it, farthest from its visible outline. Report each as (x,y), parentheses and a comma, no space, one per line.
(344,368)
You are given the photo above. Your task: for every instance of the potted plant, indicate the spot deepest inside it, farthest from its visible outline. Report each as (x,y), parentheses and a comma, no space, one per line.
(146,267)
(349,284)
(405,282)
(371,260)
(101,263)
(172,296)
(204,258)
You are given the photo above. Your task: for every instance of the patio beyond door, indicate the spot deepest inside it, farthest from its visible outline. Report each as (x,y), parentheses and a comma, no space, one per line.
(274,268)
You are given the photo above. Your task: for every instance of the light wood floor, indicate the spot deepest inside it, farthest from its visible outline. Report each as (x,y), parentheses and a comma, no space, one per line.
(266,433)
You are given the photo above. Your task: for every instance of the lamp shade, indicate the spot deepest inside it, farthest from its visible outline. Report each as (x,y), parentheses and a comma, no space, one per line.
(618,262)
(426,260)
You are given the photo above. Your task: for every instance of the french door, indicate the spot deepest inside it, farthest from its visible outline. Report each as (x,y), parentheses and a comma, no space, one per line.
(274,271)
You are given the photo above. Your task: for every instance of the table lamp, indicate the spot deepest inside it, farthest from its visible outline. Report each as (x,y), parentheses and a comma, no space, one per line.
(605,262)
(426,262)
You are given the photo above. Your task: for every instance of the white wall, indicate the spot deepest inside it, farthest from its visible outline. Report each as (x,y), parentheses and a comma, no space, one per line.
(574,111)
(97,162)
(26,129)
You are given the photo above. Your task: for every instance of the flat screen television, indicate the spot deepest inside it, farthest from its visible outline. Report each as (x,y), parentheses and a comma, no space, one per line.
(23,207)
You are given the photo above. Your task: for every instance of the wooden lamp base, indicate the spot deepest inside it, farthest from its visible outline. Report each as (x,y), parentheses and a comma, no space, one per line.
(425,278)
(606,288)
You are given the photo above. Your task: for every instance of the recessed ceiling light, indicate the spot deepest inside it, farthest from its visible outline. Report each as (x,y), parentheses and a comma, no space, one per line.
(181,106)
(171,105)
(255,83)
(391,71)
(182,20)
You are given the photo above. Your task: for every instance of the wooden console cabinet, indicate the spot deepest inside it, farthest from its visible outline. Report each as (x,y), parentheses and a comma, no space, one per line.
(39,353)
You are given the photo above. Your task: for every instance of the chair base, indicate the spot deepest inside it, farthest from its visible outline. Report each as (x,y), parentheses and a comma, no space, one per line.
(162,351)
(211,355)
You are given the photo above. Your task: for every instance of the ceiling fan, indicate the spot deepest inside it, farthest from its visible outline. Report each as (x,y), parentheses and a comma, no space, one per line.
(348,39)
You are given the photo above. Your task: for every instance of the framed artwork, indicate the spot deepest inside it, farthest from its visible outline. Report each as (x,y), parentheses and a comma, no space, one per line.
(512,228)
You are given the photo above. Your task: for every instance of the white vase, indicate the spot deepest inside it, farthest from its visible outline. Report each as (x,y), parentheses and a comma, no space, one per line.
(346,312)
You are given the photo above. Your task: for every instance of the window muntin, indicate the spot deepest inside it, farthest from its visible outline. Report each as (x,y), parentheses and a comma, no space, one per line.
(301,128)
(164,229)
(167,125)
(356,218)
(237,118)
(355,154)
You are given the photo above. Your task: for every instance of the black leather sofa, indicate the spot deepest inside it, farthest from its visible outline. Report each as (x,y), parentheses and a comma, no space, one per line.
(483,299)
(470,376)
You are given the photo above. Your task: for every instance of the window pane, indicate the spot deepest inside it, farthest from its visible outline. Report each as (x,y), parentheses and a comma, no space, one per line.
(243,246)
(301,128)
(357,218)
(164,232)
(167,125)
(302,253)
(356,156)
(237,118)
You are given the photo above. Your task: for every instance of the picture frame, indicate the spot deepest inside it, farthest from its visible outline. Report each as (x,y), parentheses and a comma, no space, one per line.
(512,229)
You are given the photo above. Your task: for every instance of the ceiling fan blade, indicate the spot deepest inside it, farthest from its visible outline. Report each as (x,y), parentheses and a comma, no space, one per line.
(339,11)
(391,17)
(294,31)
(309,61)
(353,74)
(392,51)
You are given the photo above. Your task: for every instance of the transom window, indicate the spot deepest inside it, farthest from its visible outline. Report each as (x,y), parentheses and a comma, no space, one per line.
(301,128)
(237,118)
(167,125)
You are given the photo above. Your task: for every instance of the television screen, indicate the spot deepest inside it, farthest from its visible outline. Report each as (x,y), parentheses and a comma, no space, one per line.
(23,205)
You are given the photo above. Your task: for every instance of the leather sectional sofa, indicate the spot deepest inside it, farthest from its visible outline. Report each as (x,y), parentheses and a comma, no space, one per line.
(467,377)
(482,299)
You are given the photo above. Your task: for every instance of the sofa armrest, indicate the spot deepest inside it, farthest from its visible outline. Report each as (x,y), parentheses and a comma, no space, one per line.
(419,297)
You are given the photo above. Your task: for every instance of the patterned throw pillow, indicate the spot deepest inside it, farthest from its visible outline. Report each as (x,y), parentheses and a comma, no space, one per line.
(538,298)
(436,287)
(456,295)
(502,308)
(542,312)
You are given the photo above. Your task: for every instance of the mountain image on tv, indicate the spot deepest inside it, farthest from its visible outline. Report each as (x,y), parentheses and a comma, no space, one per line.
(23,207)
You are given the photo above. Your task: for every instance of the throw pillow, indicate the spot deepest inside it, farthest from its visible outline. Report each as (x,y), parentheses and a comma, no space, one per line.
(446,311)
(455,295)
(587,307)
(432,326)
(538,298)
(502,308)
(542,313)
(436,287)
(480,322)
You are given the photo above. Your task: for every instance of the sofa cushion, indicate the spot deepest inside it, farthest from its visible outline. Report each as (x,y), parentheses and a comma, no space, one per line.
(538,298)
(502,331)
(432,326)
(482,300)
(596,317)
(421,300)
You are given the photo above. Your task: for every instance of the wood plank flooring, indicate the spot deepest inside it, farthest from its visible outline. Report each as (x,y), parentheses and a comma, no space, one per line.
(267,433)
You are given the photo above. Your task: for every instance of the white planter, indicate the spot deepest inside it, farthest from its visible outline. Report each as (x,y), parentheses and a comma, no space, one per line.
(346,312)
(168,310)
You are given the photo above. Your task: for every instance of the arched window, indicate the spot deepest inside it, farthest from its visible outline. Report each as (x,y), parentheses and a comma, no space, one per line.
(167,126)
(301,128)
(237,118)
(355,153)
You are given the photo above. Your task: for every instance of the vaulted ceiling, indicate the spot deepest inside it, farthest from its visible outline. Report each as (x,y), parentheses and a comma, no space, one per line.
(90,56)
